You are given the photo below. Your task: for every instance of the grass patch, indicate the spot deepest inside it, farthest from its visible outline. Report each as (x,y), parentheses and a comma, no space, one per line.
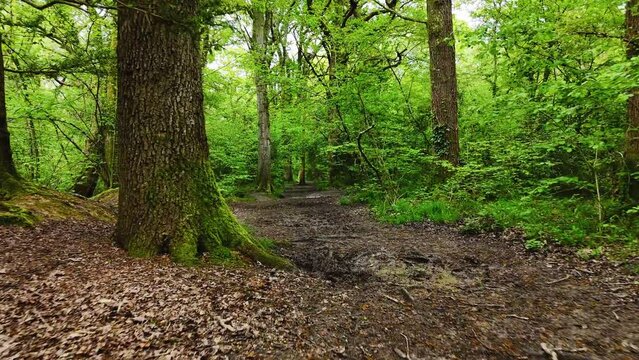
(573,221)
(406,211)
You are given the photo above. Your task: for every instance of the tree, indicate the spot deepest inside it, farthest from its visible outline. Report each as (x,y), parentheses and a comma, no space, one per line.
(169,201)
(632,135)
(8,173)
(443,79)
(261,25)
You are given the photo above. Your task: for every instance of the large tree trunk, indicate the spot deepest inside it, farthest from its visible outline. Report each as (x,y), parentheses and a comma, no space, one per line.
(632,135)
(443,78)
(168,201)
(260,27)
(8,173)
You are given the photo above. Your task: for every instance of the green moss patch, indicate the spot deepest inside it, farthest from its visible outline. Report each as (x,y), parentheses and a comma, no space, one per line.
(14,215)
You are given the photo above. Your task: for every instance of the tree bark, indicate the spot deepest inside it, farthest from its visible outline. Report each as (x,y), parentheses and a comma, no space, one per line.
(8,173)
(168,201)
(288,169)
(34,151)
(260,27)
(302,174)
(443,78)
(87,182)
(632,135)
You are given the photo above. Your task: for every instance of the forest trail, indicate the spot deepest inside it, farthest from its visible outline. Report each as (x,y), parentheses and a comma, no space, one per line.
(365,291)
(448,295)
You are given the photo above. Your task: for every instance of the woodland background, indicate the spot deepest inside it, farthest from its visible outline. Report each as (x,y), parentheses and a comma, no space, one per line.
(543,93)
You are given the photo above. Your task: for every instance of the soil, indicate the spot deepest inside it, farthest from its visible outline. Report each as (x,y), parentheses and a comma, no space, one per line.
(364,290)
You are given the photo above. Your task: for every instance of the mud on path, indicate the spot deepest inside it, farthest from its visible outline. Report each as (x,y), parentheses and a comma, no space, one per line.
(364,291)
(425,291)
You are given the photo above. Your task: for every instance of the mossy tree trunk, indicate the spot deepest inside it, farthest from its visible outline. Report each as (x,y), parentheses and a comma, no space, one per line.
(632,135)
(168,201)
(8,174)
(443,78)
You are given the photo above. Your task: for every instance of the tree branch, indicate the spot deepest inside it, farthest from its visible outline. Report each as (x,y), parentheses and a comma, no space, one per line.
(403,17)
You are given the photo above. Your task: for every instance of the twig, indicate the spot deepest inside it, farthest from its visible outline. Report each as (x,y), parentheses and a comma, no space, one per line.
(407,295)
(558,280)
(549,349)
(518,317)
(487,305)
(393,300)
(364,351)
(407,348)
(581,349)
(616,316)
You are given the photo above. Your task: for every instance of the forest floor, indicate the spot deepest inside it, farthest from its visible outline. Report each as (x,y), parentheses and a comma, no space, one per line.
(364,290)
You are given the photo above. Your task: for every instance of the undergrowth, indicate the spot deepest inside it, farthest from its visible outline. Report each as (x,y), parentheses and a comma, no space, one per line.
(573,221)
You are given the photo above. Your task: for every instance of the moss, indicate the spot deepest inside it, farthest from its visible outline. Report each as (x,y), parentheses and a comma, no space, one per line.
(49,204)
(209,227)
(200,228)
(264,256)
(185,251)
(108,197)
(10,186)
(141,251)
(14,215)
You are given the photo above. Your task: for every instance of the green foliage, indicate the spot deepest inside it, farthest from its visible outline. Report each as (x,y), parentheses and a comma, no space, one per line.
(543,90)
(534,244)
(406,211)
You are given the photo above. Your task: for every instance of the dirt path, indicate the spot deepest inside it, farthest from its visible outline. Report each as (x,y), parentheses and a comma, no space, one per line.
(448,295)
(366,291)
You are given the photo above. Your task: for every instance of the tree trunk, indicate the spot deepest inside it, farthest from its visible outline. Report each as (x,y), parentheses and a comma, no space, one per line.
(302,177)
(333,130)
(34,151)
(96,152)
(288,169)
(632,135)
(87,182)
(314,174)
(260,26)
(443,78)
(8,173)
(168,200)
(110,176)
